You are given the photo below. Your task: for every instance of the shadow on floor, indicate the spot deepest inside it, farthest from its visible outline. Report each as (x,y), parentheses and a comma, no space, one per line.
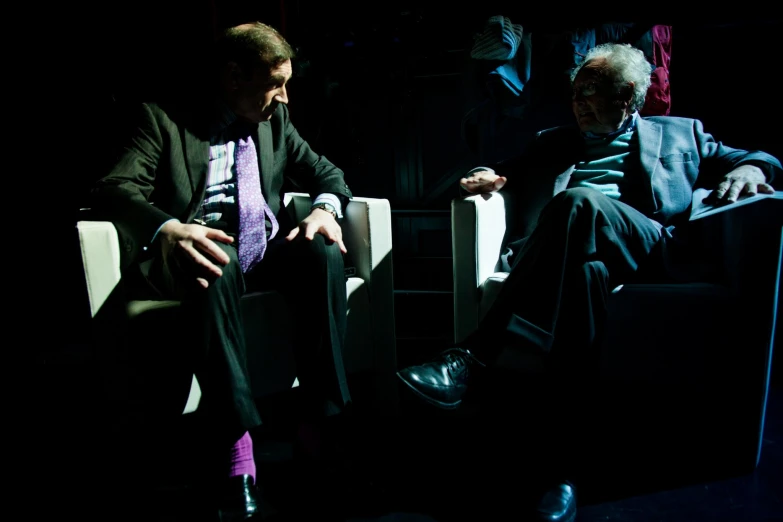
(421,465)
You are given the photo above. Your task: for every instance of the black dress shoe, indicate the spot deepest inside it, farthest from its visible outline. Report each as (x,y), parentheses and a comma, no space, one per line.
(443,381)
(558,504)
(241,500)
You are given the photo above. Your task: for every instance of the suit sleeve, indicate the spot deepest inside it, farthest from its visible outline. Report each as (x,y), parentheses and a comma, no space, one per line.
(717,159)
(123,195)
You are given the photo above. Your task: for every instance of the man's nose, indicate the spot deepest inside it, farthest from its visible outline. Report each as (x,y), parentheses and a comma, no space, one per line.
(282,95)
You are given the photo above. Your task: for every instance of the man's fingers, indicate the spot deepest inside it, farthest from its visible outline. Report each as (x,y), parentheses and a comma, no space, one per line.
(291,235)
(734,191)
(213,250)
(336,235)
(751,189)
(199,259)
(219,235)
(721,189)
(468,184)
(203,282)
(310,230)
(480,183)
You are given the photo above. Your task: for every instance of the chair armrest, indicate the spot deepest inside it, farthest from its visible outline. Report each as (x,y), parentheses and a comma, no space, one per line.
(745,239)
(367,233)
(478,229)
(100,249)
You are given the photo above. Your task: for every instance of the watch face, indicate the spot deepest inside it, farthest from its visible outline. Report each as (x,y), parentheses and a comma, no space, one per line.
(327,207)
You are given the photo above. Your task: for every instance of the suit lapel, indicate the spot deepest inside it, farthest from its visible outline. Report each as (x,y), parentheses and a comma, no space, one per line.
(197,163)
(265,157)
(649,136)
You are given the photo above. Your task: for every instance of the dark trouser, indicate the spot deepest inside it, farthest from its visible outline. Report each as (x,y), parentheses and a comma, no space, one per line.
(311,277)
(554,302)
(210,338)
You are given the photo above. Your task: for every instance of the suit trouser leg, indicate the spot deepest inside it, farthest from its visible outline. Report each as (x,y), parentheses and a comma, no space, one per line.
(310,274)
(210,325)
(203,335)
(584,244)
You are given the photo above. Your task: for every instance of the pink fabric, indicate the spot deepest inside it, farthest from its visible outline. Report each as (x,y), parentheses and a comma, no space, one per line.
(658,101)
(242,461)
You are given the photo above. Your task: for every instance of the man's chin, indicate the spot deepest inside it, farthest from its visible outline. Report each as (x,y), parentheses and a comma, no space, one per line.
(267,114)
(595,129)
(585,127)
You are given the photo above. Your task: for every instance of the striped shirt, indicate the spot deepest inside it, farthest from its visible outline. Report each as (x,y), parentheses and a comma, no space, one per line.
(220,200)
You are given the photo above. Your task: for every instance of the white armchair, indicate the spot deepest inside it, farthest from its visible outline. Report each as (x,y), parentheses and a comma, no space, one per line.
(370,338)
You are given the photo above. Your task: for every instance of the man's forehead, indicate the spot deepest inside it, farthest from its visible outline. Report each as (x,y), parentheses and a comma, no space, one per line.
(283,70)
(595,69)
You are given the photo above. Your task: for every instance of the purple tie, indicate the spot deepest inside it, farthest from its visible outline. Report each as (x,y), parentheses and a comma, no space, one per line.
(252,206)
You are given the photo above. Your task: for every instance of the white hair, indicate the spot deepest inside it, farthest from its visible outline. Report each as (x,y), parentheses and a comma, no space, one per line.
(628,64)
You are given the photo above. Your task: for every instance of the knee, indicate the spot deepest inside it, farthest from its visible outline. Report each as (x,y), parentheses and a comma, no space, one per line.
(577,197)
(321,251)
(572,200)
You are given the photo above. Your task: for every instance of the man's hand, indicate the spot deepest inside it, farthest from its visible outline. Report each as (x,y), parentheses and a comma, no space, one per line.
(482,182)
(319,222)
(192,248)
(745,180)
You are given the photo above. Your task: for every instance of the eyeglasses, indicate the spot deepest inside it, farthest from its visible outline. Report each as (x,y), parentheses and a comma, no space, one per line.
(586,89)
(590,88)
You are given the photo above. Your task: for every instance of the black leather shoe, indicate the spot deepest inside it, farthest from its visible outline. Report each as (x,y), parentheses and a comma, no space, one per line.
(241,500)
(558,504)
(443,381)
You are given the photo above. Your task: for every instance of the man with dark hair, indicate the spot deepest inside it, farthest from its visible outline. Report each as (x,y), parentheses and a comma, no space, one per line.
(196,197)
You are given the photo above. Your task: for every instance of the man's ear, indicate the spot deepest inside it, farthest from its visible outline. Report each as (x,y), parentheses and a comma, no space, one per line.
(626,92)
(232,74)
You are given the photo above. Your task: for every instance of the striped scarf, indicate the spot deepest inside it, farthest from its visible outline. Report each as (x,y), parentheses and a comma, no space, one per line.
(499,40)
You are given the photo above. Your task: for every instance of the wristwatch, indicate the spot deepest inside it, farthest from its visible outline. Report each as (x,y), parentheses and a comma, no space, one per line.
(327,207)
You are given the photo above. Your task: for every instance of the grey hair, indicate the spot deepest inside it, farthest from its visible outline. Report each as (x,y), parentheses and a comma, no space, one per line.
(628,64)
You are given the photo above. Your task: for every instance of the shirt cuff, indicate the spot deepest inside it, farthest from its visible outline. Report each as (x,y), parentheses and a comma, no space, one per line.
(158,231)
(476,169)
(332,200)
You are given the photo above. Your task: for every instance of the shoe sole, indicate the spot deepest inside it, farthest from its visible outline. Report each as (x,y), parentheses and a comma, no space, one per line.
(434,402)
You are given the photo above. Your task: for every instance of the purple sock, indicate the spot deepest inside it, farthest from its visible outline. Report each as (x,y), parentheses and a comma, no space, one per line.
(242,462)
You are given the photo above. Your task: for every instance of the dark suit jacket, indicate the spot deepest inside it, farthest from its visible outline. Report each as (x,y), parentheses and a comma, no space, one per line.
(165,163)
(675,157)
